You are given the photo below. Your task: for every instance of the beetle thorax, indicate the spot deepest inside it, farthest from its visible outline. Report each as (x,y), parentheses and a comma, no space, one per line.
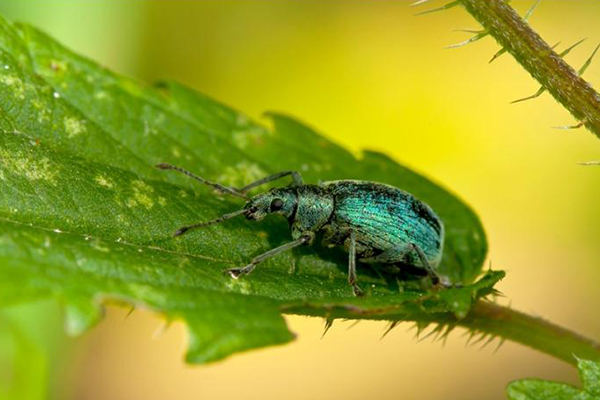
(313,210)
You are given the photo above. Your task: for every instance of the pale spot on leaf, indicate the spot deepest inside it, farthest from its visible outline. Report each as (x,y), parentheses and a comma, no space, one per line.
(241,174)
(103,181)
(15,83)
(253,135)
(142,195)
(238,285)
(73,127)
(28,166)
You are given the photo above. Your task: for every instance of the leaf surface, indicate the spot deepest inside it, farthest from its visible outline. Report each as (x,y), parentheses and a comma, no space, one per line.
(537,389)
(85,216)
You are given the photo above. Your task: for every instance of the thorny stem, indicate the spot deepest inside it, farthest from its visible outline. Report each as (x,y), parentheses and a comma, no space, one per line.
(538,58)
(490,320)
(531,331)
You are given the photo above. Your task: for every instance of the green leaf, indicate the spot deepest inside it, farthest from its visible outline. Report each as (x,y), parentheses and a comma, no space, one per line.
(534,389)
(85,217)
(537,389)
(589,372)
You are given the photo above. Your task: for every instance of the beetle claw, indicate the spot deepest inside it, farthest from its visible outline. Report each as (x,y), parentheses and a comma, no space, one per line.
(444,283)
(235,273)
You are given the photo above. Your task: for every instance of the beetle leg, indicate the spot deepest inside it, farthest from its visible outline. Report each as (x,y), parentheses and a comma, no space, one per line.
(217,186)
(222,218)
(296,178)
(241,192)
(236,272)
(435,278)
(352,265)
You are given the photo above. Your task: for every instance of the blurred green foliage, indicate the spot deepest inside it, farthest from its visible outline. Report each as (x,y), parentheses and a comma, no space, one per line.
(537,389)
(33,358)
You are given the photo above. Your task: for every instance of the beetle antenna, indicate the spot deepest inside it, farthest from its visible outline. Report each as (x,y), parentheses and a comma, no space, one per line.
(222,218)
(221,188)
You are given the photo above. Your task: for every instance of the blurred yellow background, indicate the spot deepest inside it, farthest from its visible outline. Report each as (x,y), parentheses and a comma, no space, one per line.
(368,74)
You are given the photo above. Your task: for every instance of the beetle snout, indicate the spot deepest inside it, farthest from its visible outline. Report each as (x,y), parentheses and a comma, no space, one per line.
(250,214)
(254,213)
(250,211)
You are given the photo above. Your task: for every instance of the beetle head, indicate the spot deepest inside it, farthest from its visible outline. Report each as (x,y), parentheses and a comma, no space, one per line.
(275,201)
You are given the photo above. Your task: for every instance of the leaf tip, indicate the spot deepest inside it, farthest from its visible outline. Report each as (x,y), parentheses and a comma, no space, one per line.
(80,315)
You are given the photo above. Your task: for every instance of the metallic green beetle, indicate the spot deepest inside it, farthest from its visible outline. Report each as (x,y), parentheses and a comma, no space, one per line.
(375,223)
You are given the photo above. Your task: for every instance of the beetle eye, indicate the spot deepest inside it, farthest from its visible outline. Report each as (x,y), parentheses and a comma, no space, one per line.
(276,205)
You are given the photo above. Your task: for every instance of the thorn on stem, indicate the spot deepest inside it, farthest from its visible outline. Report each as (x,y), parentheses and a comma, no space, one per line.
(471,336)
(475,31)
(391,326)
(531,10)
(419,2)
(353,324)
(533,96)
(446,333)
(131,310)
(498,54)
(588,61)
(442,8)
(434,331)
(576,126)
(568,49)
(482,337)
(487,342)
(421,326)
(328,324)
(472,39)
(589,163)
(502,340)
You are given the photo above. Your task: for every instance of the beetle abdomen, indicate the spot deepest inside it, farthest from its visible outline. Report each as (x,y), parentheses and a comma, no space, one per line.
(386,219)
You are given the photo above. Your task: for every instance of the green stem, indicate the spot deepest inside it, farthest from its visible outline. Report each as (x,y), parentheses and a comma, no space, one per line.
(533,332)
(538,58)
(489,320)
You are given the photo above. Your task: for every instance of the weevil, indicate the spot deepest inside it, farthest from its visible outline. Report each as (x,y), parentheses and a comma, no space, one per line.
(375,222)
